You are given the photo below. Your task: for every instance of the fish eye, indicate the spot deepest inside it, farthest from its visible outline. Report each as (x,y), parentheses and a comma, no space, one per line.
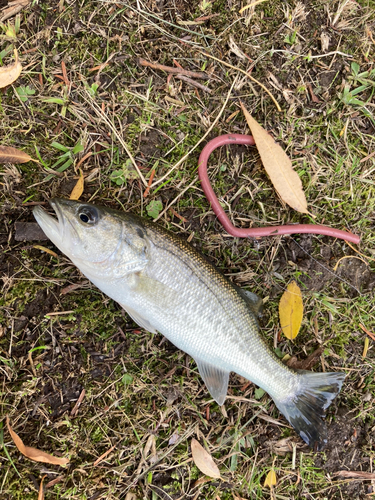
(88,215)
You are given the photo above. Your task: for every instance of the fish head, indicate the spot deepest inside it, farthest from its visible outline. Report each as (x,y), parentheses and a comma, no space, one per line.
(100,241)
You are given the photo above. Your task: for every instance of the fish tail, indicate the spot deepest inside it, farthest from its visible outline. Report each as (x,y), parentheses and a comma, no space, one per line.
(304,409)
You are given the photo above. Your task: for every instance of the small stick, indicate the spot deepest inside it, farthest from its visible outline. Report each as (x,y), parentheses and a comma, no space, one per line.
(83,159)
(147,190)
(194,83)
(65,74)
(98,460)
(169,69)
(78,403)
(371,335)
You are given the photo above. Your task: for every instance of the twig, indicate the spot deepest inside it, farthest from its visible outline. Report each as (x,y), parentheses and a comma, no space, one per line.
(244,72)
(78,403)
(200,140)
(194,83)
(147,190)
(170,69)
(367,331)
(83,159)
(98,460)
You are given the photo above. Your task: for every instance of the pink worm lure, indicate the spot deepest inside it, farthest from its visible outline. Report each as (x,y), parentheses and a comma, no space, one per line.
(256,232)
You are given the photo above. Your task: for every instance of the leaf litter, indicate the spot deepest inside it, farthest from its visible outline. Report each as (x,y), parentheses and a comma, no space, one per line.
(10,73)
(33,453)
(278,166)
(203,460)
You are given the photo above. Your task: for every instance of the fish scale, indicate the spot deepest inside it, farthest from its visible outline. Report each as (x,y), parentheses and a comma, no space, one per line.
(166,286)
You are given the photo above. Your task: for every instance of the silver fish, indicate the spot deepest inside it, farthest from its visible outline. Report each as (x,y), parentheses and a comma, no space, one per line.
(166,286)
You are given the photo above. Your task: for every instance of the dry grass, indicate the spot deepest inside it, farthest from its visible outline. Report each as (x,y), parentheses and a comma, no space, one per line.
(144,400)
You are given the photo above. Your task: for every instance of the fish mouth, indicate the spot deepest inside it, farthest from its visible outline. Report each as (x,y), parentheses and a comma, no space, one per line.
(53,229)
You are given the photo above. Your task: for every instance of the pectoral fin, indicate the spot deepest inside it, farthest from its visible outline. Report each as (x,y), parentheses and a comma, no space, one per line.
(215,379)
(154,291)
(254,302)
(137,318)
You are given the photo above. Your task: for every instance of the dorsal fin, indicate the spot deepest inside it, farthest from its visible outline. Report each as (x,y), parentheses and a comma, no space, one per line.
(254,302)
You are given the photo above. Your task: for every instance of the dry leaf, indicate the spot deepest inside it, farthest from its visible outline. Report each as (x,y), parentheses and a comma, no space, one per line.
(203,460)
(78,188)
(278,166)
(10,73)
(271,479)
(291,311)
(41,490)
(13,155)
(33,453)
(356,474)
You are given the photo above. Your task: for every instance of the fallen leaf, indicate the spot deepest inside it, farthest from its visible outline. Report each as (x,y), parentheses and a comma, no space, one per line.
(78,188)
(271,479)
(291,311)
(13,155)
(34,453)
(10,73)
(203,460)
(356,474)
(278,166)
(41,490)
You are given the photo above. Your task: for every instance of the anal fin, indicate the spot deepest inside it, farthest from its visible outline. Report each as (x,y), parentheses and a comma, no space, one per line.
(216,380)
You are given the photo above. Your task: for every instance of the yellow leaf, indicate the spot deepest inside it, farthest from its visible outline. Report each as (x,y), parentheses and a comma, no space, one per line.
(34,453)
(10,73)
(78,188)
(13,155)
(203,460)
(291,311)
(278,166)
(271,479)
(365,348)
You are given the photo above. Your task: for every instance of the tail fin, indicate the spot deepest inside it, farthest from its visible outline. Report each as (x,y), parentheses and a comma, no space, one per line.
(304,409)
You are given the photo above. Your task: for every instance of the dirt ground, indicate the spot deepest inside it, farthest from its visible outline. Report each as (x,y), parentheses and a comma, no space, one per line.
(79,378)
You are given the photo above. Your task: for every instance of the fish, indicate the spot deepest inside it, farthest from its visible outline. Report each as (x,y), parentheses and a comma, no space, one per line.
(166,286)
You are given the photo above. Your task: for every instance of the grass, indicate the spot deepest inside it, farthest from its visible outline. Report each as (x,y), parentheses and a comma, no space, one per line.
(143,397)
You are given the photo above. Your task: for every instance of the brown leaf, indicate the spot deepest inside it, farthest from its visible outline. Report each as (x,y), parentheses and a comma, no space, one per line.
(278,166)
(203,460)
(13,155)
(41,490)
(10,73)
(291,311)
(356,474)
(78,188)
(33,453)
